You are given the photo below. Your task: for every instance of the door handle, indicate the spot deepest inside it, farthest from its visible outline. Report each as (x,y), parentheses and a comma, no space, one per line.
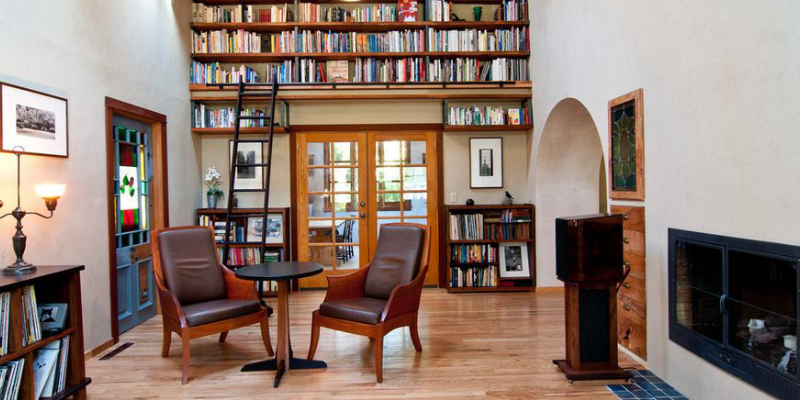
(362,204)
(626,240)
(625,217)
(362,215)
(626,307)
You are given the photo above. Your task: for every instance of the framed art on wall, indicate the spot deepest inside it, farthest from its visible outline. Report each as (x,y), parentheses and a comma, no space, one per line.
(248,177)
(34,121)
(626,146)
(255,227)
(485,163)
(514,261)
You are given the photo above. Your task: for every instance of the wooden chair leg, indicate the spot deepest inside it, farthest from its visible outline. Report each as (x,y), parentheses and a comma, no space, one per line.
(265,335)
(166,342)
(312,348)
(379,357)
(415,335)
(223,336)
(185,340)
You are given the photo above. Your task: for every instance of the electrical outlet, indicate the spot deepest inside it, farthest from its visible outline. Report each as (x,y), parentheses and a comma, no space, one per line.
(453,197)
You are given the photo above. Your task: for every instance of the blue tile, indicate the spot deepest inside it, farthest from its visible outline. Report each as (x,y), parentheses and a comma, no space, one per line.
(656,393)
(646,372)
(680,398)
(641,394)
(631,387)
(663,386)
(672,393)
(654,379)
(646,385)
(617,388)
(625,395)
(636,372)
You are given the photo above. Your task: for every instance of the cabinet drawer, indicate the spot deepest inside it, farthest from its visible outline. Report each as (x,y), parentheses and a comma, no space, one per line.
(637,264)
(633,219)
(631,309)
(632,335)
(633,242)
(632,294)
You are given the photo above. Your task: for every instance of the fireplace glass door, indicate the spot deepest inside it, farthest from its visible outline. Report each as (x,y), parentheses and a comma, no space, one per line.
(699,288)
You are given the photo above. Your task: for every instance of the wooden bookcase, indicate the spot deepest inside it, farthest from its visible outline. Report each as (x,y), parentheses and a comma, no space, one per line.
(240,218)
(52,284)
(521,104)
(504,284)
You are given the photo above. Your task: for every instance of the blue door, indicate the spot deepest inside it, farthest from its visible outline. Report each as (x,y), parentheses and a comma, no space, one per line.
(133,185)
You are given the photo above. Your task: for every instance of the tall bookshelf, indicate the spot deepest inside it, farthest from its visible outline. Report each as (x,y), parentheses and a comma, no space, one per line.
(243,251)
(496,225)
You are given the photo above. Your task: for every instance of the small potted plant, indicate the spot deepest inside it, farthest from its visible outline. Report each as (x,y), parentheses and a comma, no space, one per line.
(214,193)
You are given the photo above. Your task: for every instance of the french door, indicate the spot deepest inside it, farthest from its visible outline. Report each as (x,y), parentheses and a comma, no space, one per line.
(349,184)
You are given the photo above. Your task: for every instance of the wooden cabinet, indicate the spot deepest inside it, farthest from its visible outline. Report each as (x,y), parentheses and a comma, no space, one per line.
(632,296)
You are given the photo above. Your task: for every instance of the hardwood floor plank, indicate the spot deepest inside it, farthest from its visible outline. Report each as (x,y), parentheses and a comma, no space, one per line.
(475,346)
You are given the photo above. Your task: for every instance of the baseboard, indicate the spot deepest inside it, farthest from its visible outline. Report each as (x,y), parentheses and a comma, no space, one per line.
(549,289)
(99,349)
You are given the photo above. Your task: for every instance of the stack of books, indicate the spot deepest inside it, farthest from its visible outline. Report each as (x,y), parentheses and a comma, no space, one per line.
(224,117)
(514,39)
(238,13)
(508,225)
(473,254)
(267,14)
(487,115)
(398,70)
(11,378)
(237,234)
(438,10)
(239,257)
(513,10)
(347,42)
(50,368)
(466,226)
(5,311)
(473,276)
(216,73)
(30,315)
(224,41)
(374,13)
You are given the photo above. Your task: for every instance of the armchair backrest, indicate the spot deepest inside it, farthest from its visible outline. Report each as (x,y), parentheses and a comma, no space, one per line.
(401,253)
(187,264)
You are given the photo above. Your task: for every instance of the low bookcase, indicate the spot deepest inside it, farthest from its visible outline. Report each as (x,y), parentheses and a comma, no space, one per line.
(476,242)
(51,284)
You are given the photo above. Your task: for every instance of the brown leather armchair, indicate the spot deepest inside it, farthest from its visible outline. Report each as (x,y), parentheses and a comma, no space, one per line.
(382,296)
(199,296)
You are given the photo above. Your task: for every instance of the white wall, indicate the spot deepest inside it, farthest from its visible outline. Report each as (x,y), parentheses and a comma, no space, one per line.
(131,50)
(721,86)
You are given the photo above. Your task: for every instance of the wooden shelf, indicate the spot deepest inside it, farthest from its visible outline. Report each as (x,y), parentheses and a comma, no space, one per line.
(348,96)
(36,346)
(486,128)
(69,390)
(272,57)
(329,86)
(479,207)
(490,289)
(242,131)
(354,26)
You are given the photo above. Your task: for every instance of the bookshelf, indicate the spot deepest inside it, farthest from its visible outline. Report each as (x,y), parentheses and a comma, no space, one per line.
(243,251)
(52,284)
(461,115)
(474,240)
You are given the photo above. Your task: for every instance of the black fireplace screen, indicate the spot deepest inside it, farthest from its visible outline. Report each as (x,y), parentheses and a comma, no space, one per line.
(734,302)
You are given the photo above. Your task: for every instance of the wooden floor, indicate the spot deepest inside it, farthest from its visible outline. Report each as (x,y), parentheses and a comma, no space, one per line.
(497,346)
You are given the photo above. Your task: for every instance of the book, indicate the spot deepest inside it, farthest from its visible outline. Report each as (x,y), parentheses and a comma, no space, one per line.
(407,10)
(337,71)
(44,365)
(52,317)
(5,303)
(32,331)
(513,116)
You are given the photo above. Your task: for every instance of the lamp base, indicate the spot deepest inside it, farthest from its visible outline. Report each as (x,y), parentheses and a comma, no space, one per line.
(19,268)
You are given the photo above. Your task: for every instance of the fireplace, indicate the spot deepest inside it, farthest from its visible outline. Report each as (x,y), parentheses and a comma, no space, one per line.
(734,302)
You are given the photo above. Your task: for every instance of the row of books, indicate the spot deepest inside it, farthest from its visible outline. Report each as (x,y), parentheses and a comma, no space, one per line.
(309,12)
(508,216)
(216,73)
(225,41)
(507,231)
(390,70)
(11,378)
(473,276)
(473,253)
(242,256)
(240,13)
(487,115)
(473,70)
(349,42)
(50,368)
(466,226)
(5,310)
(513,10)
(32,329)
(514,39)
(224,117)
(438,10)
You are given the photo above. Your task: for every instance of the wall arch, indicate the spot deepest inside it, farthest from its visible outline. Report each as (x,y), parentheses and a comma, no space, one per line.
(567,179)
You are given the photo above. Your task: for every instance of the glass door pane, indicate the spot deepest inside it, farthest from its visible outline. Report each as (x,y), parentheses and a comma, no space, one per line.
(698,289)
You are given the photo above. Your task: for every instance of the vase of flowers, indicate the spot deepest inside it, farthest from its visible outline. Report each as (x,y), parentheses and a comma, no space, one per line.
(212,181)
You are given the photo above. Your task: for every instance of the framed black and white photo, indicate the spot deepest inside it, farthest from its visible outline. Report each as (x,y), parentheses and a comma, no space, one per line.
(249,177)
(486,163)
(33,121)
(255,226)
(514,261)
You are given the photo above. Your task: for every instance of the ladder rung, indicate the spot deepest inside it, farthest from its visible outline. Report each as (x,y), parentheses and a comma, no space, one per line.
(256,117)
(262,93)
(253,140)
(251,165)
(249,190)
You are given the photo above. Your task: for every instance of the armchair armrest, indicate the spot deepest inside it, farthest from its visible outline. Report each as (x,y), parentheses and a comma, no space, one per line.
(350,286)
(405,299)
(236,288)
(170,306)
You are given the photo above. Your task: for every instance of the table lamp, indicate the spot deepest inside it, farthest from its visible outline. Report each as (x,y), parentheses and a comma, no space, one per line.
(50,193)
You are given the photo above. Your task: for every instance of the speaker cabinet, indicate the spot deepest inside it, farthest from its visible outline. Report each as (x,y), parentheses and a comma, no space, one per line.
(589,261)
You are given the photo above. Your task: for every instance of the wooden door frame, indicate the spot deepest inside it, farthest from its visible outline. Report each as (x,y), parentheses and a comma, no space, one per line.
(160,184)
(350,128)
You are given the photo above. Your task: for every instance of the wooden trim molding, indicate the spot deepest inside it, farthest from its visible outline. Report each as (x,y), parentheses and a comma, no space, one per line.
(637,96)
(99,349)
(350,128)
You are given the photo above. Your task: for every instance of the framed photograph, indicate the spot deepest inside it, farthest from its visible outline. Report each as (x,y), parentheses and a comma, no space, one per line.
(248,177)
(626,146)
(53,317)
(514,261)
(485,163)
(34,121)
(255,226)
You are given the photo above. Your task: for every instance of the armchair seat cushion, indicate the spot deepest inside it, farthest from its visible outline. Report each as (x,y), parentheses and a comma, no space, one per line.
(218,310)
(365,310)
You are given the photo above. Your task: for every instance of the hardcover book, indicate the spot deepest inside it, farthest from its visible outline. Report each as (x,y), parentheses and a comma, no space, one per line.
(407,10)
(337,71)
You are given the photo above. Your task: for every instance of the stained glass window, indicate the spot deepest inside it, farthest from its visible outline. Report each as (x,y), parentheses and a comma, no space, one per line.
(623,145)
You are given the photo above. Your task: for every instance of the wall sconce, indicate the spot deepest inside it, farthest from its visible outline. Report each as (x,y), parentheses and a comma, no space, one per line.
(50,193)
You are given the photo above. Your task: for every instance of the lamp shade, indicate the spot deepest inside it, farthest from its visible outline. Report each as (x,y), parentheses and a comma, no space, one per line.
(50,190)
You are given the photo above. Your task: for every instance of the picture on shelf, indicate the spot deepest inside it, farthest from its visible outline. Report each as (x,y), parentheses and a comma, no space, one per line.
(255,228)
(514,260)
(486,162)
(248,175)
(34,121)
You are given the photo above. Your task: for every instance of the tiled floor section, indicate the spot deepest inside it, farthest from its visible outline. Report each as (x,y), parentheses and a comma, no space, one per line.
(646,385)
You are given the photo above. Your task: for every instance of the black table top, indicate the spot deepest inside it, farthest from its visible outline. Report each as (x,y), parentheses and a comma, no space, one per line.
(278,271)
